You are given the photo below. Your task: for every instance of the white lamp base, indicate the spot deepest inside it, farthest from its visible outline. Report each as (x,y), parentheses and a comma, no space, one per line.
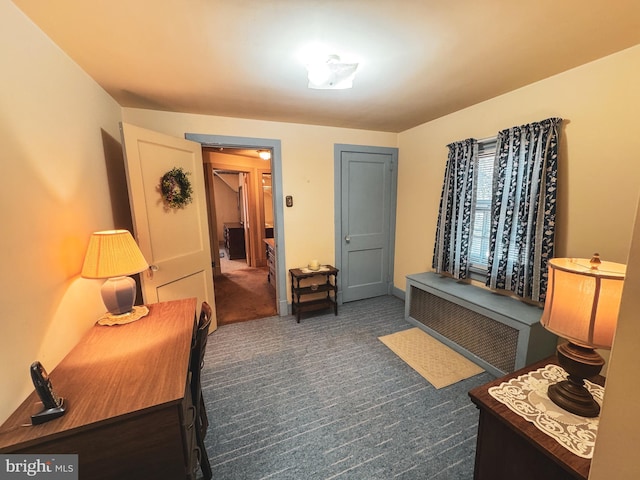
(119,295)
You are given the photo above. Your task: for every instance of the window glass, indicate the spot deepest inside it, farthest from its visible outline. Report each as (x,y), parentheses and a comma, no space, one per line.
(479,247)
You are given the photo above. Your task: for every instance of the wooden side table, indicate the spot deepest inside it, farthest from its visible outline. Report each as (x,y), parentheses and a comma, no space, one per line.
(508,446)
(328,286)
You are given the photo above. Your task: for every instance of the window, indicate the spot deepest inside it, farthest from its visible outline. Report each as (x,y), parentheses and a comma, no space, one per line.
(500,222)
(479,245)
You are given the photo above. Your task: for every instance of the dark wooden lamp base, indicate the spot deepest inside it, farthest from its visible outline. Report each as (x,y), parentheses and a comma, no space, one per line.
(571,394)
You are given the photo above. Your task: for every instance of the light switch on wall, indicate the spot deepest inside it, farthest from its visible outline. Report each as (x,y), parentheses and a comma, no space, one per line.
(288,200)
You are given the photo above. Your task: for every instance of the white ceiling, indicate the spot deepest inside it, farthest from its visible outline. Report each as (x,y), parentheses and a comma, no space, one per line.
(419,59)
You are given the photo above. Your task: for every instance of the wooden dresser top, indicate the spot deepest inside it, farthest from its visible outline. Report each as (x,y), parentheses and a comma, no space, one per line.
(114,371)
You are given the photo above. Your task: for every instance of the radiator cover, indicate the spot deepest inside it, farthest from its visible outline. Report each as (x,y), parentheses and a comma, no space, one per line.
(499,333)
(492,341)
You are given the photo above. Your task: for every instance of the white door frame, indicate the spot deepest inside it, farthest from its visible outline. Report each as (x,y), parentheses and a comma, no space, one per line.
(207,140)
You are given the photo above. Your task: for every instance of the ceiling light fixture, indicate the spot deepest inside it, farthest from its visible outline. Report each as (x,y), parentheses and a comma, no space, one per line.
(265,154)
(330,73)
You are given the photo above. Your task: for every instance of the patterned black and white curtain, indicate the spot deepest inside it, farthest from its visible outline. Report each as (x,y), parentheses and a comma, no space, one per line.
(524,208)
(451,251)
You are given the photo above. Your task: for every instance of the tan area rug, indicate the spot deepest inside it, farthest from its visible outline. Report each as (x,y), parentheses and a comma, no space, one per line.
(436,362)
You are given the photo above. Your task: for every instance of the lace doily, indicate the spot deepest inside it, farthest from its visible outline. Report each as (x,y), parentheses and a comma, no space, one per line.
(321,269)
(526,395)
(137,313)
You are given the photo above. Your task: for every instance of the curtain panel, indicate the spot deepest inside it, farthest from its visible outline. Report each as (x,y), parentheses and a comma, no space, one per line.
(524,209)
(451,251)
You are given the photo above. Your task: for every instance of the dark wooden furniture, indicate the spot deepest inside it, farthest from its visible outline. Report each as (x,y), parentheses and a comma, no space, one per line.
(271,260)
(234,240)
(320,286)
(195,370)
(129,410)
(509,446)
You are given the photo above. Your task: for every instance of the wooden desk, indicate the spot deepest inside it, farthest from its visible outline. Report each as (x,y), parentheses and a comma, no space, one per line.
(129,411)
(509,446)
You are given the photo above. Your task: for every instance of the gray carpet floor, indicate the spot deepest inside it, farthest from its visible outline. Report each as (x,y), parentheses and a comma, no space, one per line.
(325,399)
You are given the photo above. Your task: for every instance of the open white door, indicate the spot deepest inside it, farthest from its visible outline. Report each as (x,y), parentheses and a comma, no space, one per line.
(175,242)
(247,218)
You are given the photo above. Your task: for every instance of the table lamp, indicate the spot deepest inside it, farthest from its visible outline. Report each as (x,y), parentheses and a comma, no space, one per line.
(582,304)
(114,254)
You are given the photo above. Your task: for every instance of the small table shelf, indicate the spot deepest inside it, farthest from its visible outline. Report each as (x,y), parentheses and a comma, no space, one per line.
(328,285)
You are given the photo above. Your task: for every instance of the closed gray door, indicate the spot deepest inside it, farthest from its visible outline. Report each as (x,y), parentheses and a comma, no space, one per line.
(367,220)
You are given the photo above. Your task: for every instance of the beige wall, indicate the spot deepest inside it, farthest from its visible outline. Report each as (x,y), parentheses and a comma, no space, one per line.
(307,169)
(226,203)
(57,128)
(599,168)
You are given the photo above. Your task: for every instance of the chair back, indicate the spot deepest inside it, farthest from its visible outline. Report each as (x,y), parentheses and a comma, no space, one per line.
(199,349)
(196,364)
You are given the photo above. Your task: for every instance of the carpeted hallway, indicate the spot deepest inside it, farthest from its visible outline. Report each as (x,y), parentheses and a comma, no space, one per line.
(243,294)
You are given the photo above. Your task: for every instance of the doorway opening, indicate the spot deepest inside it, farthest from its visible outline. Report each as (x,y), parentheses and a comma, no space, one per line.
(240,207)
(278,260)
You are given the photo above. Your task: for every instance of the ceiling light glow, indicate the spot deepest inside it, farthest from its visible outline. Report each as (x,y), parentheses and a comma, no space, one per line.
(330,73)
(265,154)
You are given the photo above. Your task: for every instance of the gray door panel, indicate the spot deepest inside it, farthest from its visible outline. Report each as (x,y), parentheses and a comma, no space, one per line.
(367,208)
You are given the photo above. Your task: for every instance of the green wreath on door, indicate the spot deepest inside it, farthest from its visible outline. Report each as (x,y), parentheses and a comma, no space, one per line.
(176,188)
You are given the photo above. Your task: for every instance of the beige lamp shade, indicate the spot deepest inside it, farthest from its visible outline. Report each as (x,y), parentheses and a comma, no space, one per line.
(583,300)
(112,253)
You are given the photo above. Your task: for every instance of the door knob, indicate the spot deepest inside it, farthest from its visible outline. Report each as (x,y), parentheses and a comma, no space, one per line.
(347,239)
(152,270)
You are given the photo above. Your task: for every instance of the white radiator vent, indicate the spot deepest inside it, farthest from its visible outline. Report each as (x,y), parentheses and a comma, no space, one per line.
(492,341)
